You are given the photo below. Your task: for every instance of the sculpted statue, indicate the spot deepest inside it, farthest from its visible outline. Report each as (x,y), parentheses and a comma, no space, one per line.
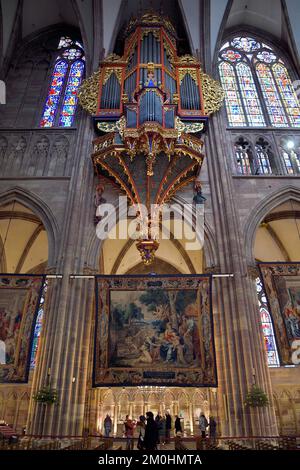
(198,198)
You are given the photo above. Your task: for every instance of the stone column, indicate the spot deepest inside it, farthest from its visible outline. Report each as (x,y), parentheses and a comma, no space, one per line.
(68,313)
(235,315)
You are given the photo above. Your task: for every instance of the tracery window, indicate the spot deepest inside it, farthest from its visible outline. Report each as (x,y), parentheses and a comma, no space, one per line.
(244,157)
(290,153)
(68,72)
(267,326)
(258,88)
(258,162)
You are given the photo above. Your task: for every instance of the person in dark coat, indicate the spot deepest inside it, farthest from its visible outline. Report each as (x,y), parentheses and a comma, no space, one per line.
(107,425)
(168,426)
(212,428)
(178,427)
(151,432)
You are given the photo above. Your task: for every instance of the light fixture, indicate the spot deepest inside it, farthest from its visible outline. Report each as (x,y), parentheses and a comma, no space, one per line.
(290,144)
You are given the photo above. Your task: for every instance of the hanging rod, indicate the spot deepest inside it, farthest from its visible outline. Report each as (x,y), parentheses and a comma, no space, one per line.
(92,276)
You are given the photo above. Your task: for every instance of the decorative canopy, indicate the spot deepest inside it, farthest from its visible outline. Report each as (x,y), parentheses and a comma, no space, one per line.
(150,108)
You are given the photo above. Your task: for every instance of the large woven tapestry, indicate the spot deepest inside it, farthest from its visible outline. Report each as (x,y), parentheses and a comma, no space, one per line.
(282,288)
(154,330)
(19,302)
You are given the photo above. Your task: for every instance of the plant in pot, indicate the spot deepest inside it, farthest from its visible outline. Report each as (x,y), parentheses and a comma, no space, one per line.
(256,398)
(46,395)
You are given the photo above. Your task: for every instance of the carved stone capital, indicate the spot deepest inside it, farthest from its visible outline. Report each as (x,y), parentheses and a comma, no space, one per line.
(253,272)
(87,270)
(212,270)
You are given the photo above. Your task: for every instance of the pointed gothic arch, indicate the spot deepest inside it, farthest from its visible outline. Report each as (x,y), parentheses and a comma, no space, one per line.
(42,210)
(260,211)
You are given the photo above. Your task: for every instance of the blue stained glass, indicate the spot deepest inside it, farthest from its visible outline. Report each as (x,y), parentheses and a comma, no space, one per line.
(56,99)
(38,329)
(267,57)
(70,98)
(267,327)
(56,85)
(246,44)
(72,54)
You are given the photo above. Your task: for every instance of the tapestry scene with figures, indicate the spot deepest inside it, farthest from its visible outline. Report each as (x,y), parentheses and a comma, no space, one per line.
(152,330)
(19,303)
(282,286)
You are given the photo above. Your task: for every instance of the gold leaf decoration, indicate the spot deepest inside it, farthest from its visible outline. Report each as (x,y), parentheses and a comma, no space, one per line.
(188,128)
(213,94)
(191,71)
(187,59)
(117,126)
(109,71)
(88,93)
(112,58)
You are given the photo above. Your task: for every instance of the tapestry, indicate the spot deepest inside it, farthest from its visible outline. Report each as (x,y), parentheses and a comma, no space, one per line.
(19,302)
(154,330)
(282,287)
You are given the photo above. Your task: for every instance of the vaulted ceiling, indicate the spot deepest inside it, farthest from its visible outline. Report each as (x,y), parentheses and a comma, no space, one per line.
(278,237)
(99,21)
(23,240)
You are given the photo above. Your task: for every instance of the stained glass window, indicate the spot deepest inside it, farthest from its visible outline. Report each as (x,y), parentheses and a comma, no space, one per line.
(235,112)
(272,100)
(267,326)
(263,165)
(38,328)
(246,44)
(57,82)
(249,95)
(261,83)
(70,97)
(60,105)
(244,157)
(288,94)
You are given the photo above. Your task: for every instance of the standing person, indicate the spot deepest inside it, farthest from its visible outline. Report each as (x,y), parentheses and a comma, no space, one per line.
(142,429)
(151,433)
(203,423)
(168,426)
(158,420)
(212,428)
(107,426)
(178,427)
(162,431)
(129,425)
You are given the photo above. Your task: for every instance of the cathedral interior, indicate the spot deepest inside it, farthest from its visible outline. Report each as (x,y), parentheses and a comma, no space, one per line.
(189,103)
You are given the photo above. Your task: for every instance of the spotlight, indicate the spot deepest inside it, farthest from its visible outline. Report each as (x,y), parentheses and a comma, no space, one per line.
(290,144)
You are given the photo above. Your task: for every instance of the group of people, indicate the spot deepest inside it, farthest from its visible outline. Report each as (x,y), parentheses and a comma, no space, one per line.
(157,431)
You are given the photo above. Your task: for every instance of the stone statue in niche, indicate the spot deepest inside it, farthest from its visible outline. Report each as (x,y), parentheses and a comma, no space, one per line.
(59,155)
(3,148)
(40,154)
(16,155)
(198,198)
(98,199)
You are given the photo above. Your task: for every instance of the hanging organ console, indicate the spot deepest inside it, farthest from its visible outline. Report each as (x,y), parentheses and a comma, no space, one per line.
(150,107)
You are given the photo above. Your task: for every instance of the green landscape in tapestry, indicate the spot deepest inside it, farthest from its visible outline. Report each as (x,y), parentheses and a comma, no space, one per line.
(158,327)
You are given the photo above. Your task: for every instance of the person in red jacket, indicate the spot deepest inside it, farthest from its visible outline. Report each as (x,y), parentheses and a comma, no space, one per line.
(129,426)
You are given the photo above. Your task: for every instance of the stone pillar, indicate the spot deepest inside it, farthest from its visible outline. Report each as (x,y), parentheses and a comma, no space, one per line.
(115,419)
(237,337)
(68,313)
(191,415)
